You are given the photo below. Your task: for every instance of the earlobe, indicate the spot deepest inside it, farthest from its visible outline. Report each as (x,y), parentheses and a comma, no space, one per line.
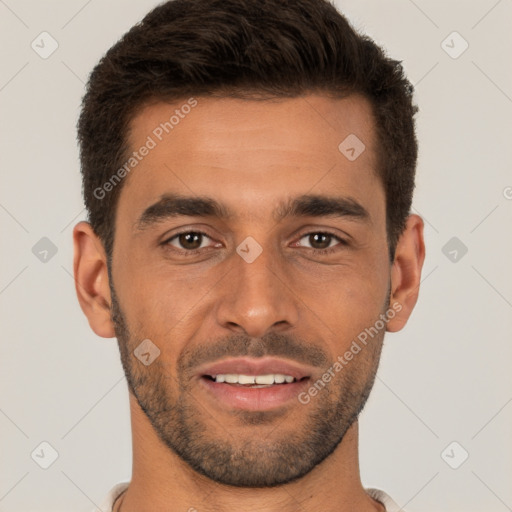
(406,272)
(91,279)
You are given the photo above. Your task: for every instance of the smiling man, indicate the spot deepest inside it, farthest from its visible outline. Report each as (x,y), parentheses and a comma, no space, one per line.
(248,169)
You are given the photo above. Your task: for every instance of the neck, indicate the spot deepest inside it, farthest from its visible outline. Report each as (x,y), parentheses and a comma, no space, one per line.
(161,481)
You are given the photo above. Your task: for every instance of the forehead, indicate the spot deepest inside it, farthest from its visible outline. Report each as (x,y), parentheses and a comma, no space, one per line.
(316,121)
(250,154)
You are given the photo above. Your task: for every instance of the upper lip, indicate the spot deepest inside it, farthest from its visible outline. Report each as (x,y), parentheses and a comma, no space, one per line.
(252,366)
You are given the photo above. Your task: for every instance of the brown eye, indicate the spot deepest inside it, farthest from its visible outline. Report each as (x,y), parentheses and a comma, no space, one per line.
(189,240)
(320,240)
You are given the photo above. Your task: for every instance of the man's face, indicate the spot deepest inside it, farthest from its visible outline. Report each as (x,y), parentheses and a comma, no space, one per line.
(216,307)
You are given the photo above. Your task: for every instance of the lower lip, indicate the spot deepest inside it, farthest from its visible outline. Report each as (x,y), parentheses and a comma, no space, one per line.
(254,399)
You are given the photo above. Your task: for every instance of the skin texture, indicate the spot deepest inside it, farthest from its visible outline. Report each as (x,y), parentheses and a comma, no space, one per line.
(190,450)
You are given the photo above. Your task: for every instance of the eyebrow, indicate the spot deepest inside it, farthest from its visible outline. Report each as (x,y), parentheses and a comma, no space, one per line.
(310,205)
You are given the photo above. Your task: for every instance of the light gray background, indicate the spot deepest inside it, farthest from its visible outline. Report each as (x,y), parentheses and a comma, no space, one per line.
(445,378)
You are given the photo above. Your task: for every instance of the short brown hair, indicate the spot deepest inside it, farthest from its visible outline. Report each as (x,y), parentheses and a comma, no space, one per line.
(243,48)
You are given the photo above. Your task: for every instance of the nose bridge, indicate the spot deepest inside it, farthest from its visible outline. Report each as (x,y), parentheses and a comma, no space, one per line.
(255,294)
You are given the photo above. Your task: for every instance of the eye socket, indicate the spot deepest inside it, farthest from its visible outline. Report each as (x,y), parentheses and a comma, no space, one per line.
(319,237)
(191,242)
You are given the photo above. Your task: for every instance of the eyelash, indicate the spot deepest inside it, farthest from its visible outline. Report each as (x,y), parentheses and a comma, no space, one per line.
(319,252)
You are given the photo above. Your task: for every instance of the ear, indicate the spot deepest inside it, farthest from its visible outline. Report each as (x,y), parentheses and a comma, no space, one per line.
(91,279)
(406,272)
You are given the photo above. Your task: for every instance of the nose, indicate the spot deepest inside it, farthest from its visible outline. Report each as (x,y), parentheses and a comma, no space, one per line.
(257,297)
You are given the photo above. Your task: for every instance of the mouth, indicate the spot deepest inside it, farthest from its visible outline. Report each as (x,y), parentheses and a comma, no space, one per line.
(253,381)
(254,384)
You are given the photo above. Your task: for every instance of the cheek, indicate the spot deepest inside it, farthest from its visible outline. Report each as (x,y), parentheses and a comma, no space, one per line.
(356,284)
(166,305)
(351,299)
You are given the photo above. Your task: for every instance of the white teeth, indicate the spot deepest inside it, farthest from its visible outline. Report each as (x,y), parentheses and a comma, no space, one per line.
(264,379)
(248,379)
(268,379)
